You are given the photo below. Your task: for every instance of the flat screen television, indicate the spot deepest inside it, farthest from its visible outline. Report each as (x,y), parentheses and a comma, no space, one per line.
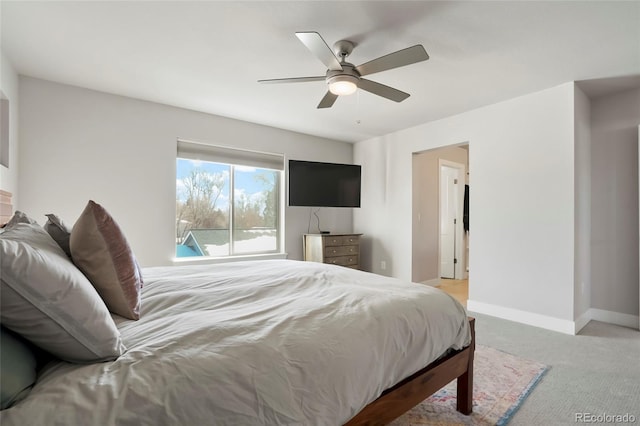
(315,184)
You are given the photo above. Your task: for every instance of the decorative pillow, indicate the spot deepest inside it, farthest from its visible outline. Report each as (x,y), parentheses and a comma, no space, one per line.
(18,368)
(100,250)
(48,301)
(19,217)
(59,232)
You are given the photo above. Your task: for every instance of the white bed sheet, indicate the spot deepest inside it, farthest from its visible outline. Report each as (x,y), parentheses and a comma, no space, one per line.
(276,342)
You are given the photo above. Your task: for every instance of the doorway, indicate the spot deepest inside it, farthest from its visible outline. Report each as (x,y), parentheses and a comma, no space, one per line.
(426,265)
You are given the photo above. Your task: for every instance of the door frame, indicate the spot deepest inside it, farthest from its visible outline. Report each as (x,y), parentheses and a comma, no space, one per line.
(459,269)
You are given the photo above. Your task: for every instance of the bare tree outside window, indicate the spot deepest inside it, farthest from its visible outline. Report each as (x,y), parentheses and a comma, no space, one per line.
(197,209)
(205,213)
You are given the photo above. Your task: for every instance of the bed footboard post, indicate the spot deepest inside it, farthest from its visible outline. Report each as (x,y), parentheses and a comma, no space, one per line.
(465,381)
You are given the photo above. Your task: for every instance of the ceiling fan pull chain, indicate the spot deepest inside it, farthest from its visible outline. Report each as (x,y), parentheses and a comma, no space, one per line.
(357,106)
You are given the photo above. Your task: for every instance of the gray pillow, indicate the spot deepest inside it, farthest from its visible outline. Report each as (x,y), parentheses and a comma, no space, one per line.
(19,217)
(59,232)
(48,301)
(17,368)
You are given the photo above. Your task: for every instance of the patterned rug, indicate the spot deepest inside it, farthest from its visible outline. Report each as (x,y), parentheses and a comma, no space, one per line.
(501,383)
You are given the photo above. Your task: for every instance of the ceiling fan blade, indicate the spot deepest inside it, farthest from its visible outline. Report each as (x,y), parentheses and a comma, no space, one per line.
(316,44)
(382,90)
(328,100)
(293,80)
(403,57)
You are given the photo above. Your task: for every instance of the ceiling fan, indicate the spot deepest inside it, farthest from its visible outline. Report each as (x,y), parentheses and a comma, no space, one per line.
(343,78)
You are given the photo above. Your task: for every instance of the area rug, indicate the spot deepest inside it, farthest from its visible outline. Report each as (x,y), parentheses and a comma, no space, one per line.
(501,383)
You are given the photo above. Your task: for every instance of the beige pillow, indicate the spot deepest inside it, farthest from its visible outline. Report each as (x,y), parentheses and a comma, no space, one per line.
(100,250)
(48,301)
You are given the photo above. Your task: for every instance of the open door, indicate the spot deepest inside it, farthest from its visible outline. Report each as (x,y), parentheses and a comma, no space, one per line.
(451,227)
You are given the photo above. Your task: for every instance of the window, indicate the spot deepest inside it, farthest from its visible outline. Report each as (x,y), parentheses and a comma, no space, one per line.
(227,201)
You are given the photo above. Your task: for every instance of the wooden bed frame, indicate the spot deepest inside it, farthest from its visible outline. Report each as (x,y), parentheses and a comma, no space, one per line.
(413,390)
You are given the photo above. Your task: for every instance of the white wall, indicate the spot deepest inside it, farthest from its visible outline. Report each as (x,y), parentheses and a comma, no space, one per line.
(9,86)
(582,279)
(78,144)
(614,203)
(521,154)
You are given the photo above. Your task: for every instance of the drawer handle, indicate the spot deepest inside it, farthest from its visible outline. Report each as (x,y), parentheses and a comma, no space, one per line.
(334,251)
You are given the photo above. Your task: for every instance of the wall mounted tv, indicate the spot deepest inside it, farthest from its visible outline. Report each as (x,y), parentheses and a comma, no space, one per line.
(314,184)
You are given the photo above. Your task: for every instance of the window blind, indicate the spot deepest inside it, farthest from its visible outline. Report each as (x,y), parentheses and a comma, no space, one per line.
(227,155)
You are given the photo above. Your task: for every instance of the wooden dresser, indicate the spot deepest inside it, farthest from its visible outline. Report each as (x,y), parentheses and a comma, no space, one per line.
(337,249)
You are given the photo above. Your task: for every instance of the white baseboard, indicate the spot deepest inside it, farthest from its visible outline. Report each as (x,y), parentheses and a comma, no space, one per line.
(552,323)
(524,317)
(582,320)
(433,283)
(617,318)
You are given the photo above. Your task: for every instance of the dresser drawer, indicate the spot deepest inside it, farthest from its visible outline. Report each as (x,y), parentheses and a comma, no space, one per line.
(341,240)
(331,251)
(342,260)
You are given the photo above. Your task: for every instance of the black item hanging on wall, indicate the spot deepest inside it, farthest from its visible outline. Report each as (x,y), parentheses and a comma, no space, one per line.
(465,214)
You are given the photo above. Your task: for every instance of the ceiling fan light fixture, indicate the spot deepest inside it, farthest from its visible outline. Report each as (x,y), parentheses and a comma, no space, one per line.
(343,85)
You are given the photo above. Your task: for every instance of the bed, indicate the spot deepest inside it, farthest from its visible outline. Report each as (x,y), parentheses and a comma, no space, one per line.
(279,342)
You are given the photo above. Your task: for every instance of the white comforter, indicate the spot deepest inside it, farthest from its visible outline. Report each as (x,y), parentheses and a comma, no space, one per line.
(252,343)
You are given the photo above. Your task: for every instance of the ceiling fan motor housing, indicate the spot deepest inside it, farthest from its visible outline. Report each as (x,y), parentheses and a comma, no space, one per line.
(348,73)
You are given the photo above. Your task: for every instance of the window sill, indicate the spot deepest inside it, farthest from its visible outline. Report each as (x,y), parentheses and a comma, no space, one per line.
(204,260)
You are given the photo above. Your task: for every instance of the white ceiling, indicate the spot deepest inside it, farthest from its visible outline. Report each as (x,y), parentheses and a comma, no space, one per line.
(208,55)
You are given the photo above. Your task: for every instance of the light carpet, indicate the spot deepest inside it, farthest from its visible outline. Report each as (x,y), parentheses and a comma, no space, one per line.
(501,383)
